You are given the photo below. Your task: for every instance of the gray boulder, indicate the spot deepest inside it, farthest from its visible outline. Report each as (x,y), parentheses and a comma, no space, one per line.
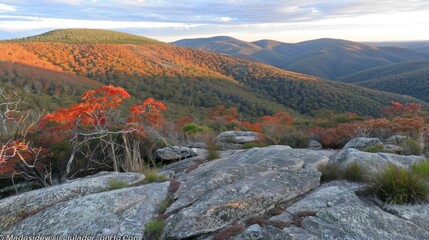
(361,143)
(314,145)
(396,139)
(196,145)
(237,137)
(13,207)
(174,153)
(240,186)
(373,162)
(123,211)
(393,148)
(340,214)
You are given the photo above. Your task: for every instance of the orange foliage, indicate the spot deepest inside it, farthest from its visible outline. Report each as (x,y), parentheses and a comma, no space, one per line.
(93,109)
(148,112)
(222,114)
(398,109)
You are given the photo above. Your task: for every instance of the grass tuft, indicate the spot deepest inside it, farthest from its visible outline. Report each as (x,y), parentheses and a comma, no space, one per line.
(352,172)
(113,185)
(154,228)
(397,185)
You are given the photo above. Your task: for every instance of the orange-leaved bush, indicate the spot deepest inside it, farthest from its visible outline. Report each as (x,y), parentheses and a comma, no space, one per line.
(92,111)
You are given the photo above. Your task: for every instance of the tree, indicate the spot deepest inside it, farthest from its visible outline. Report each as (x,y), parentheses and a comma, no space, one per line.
(98,133)
(18,155)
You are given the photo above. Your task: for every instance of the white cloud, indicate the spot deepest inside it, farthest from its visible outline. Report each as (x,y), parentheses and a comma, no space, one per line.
(70,2)
(7,8)
(56,23)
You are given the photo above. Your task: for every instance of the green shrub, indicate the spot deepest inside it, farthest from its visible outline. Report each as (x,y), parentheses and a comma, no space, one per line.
(374,149)
(296,139)
(192,128)
(400,186)
(154,228)
(411,147)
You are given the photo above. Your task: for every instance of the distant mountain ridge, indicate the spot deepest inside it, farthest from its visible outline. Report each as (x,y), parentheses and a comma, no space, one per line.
(326,58)
(189,81)
(410,78)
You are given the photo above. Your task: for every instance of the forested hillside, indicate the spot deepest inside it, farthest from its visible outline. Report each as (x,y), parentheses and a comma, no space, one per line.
(405,78)
(189,80)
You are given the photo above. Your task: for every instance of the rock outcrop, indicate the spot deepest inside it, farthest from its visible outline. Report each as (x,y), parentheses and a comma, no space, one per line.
(339,213)
(84,207)
(373,162)
(213,195)
(174,153)
(237,137)
(314,145)
(243,185)
(361,143)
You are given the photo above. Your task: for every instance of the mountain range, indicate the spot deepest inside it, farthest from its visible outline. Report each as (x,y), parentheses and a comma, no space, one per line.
(326,58)
(54,68)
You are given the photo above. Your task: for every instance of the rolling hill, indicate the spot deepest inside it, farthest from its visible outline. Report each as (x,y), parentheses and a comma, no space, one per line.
(411,78)
(189,81)
(325,58)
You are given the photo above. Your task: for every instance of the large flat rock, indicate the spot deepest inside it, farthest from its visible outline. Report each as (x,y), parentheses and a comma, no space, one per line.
(13,208)
(341,214)
(241,186)
(119,212)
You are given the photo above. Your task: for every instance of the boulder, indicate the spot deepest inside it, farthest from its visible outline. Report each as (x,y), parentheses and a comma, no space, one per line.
(174,153)
(314,145)
(196,145)
(237,137)
(13,207)
(393,149)
(124,211)
(373,162)
(240,186)
(361,143)
(396,139)
(180,169)
(340,214)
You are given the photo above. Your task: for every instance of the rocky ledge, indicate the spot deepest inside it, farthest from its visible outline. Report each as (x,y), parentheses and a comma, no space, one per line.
(267,193)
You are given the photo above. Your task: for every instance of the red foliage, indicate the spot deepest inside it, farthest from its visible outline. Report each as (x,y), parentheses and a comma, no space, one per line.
(279,120)
(255,127)
(148,112)
(222,114)
(93,109)
(398,109)
(407,125)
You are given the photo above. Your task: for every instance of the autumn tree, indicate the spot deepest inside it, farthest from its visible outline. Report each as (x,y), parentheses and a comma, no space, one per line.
(18,155)
(277,126)
(98,132)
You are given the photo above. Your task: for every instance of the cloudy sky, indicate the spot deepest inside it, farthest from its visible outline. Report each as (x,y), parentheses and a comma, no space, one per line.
(169,20)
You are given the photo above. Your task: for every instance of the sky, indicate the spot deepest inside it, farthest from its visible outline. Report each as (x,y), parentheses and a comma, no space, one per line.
(250,20)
